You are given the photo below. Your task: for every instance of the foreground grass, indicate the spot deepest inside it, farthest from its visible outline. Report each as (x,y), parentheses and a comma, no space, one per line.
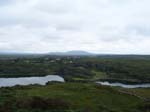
(140,92)
(69,97)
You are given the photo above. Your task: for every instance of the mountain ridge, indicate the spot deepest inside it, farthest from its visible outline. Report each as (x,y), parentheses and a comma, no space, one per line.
(73,52)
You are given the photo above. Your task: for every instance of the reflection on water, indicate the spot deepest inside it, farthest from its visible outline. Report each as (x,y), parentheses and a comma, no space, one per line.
(9,82)
(124,85)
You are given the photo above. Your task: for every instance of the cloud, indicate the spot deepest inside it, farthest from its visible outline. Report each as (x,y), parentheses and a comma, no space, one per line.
(101,26)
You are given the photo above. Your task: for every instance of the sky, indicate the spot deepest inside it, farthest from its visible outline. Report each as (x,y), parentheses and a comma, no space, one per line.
(98,26)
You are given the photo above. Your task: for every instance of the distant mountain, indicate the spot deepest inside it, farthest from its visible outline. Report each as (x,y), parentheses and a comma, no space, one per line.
(72,53)
(11,53)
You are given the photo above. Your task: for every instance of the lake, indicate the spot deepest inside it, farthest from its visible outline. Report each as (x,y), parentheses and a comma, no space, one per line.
(123,85)
(9,82)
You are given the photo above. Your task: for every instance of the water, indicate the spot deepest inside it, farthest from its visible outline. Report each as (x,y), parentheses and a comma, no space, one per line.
(9,82)
(124,85)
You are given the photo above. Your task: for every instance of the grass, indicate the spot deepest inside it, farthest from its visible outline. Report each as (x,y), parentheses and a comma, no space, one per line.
(99,75)
(141,92)
(69,97)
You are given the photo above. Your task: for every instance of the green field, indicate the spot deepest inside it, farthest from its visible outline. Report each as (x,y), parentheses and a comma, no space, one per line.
(71,97)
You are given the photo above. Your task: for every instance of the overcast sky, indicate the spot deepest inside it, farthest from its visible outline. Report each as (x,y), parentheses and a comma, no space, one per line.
(99,26)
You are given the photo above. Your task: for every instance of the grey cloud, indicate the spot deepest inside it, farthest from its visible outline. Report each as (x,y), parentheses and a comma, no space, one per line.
(67,27)
(140,30)
(6,2)
(60,25)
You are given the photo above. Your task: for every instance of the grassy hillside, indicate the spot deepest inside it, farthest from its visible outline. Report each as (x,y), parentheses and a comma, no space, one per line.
(70,97)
